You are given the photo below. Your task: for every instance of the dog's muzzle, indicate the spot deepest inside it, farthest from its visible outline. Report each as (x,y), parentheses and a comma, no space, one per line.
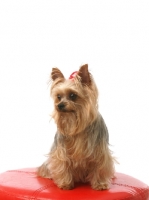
(61,106)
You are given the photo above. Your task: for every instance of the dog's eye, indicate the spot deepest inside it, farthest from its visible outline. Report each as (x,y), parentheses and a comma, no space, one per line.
(59,97)
(72,96)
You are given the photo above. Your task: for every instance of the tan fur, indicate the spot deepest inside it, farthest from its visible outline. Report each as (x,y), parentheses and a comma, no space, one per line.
(81,148)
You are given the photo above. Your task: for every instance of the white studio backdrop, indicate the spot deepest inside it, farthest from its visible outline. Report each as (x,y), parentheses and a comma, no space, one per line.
(112,37)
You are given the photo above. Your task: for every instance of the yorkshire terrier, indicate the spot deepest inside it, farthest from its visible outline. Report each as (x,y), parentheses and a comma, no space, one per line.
(80,152)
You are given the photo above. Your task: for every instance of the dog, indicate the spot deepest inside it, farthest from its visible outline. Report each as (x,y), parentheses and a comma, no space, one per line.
(80,152)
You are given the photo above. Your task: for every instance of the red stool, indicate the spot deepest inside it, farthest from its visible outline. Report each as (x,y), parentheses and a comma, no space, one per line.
(25,185)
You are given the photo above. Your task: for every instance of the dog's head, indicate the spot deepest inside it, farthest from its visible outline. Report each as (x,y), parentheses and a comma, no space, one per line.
(75,100)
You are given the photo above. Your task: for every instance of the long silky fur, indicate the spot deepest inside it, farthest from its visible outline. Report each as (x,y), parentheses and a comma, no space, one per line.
(81,146)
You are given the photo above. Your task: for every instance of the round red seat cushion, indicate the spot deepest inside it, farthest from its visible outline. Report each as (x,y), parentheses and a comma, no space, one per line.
(23,184)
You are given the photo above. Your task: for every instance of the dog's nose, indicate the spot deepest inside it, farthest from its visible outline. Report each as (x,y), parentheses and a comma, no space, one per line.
(61,106)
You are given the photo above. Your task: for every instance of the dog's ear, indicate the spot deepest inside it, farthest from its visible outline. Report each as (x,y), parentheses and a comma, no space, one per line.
(56,73)
(84,74)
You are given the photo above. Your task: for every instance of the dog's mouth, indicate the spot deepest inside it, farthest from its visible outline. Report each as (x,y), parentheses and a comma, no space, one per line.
(65,111)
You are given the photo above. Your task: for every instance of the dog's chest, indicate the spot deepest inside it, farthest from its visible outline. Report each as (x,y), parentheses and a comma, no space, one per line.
(78,147)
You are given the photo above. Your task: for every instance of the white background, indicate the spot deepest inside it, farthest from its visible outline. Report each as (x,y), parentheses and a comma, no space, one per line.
(112,37)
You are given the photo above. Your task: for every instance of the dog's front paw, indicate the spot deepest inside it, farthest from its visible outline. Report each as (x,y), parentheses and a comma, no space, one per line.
(43,171)
(66,187)
(101,186)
